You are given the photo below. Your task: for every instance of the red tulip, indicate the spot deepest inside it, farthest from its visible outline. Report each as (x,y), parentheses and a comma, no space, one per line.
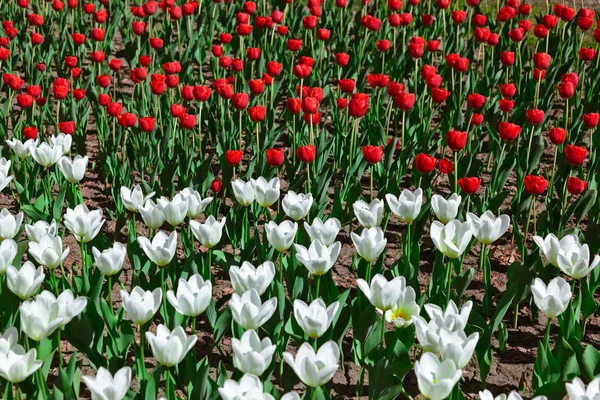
(575,155)
(541,60)
(216,185)
(146,124)
(587,54)
(445,166)
(358,105)
(507,58)
(257,113)
(187,121)
(508,131)
(557,135)
(275,157)
(306,154)
(30,132)
(576,186)
(233,157)
(439,95)
(405,101)
(66,127)
(456,140)
(534,116)
(508,90)
(535,185)
(476,100)
(469,185)
(372,154)
(425,163)
(590,119)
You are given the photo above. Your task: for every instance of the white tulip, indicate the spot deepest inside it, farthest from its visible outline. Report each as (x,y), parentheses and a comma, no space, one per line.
(209,233)
(250,387)
(175,210)
(193,296)
(487,395)
(381,293)
(576,390)
(4,180)
(110,261)
(40,317)
(266,193)
(455,319)
(445,210)
(281,236)
(487,228)
(369,215)
(8,339)
(8,252)
(553,299)
(22,150)
(318,258)
(4,165)
(152,215)
(248,277)
(316,318)
(196,204)
(41,228)
(402,312)
(17,365)
(575,261)
(243,192)
(26,281)
(455,348)
(49,251)
(315,369)
(249,311)
(407,206)
(134,199)
(170,347)
(326,231)
(46,155)
(297,206)
(69,307)
(9,224)
(451,239)
(73,170)
(106,387)
(436,379)
(552,247)
(161,249)
(250,354)
(370,244)
(83,223)
(62,142)
(141,305)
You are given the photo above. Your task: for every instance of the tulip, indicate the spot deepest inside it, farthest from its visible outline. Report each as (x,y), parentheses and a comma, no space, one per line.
(161,249)
(451,239)
(134,199)
(41,316)
(243,192)
(193,296)
(382,294)
(49,251)
(315,368)
(196,204)
(316,318)
(9,224)
(266,193)
(575,261)
(8,252)
(576,390)
(151,214)
(4,180)
(552,247)
(405,308)
(576,186)
(370,244)
(318,258)
(436,379)
(249,311)
(22,150)
(170,347)
(110,261)
(457,349)
(248,277)
(445,210)
(175,210)
(106,387)
(141,305)
(553,299)
(16,365)
(487,228)
(209,233)
(250,354)
(326,231)
(47,155)
(83,223)
(26,281)
(297,206)
(407,206)
(369,215)
(73,170)
(68,306)
(281,236)
(249,387)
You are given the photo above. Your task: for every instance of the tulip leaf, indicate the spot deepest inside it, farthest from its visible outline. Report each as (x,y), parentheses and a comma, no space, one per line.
(383,383)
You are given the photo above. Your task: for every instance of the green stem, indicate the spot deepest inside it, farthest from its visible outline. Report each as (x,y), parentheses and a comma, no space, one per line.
(547,336)
(317,286)
(110,299)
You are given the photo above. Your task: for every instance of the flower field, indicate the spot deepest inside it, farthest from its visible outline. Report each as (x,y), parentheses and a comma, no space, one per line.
(327,199)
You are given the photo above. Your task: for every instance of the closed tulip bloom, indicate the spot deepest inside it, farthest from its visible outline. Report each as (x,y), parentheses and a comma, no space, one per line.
(575,261)
(454,318)
(16,365)
(445,210)
(26,281)
(370,244)
(46,155)
(48,251)
(134,199)
(141,305)
(402,312)
(170,347)
(152,215)
(266,193)
(436,379)
(175,210)
(5,180)
(553,299)
(456,348)
(110,261)
(469,184)
(250,354)
(316,318)
(83,223)
(106,387)
(69,306)
(281,236)
(196,204)
(243,192)
(249,311)
(576,186)
(451,239)
(297,206)
(576,390)
(193,296)
(369,215)
(407,206)
(326,231)
(487,228)
(209,233)
(22,150)
(575,155)
(249,387)
(40,317)
(73,170)
(161,249)
(318,258)
(424,163)
(535,185)
(381,293)
(9,224)
(248,277)
(552,247)
(315,368)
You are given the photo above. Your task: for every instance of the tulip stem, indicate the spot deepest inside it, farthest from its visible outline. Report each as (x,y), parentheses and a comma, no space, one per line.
(531,206)
(455,172)
(371,187)
(382,342)
(550,192)
(487,279)
(547,335)
(142,363)
(43,388)
(408,244)
(110,299)
(449,280)
(317,286)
